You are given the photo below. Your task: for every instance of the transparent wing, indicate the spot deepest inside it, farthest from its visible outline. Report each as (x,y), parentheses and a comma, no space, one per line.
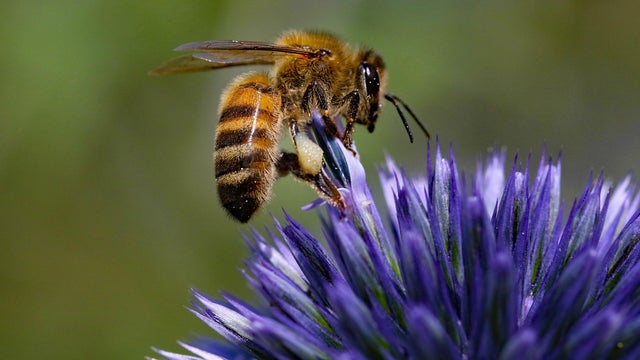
(214,54)
(198,62)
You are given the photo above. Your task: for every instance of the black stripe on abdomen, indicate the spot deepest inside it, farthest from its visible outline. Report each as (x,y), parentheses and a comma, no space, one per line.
(242,193)
(243,111)
(254,159)
(243,136)
(258,87)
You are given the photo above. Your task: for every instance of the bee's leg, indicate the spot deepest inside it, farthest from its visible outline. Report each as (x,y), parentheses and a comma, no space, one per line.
(315,97)
(352,100)
(293,129)
(310,155)
(320,182)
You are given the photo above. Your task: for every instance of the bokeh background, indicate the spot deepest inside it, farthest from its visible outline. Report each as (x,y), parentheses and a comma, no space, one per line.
(108,213)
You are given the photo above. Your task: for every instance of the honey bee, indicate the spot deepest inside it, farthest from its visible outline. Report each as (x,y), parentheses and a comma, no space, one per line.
(310,71)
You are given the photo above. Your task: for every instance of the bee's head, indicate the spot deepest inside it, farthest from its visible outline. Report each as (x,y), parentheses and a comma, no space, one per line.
(372,77)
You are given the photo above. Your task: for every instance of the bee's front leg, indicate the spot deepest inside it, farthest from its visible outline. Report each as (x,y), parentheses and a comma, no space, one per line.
(352,100)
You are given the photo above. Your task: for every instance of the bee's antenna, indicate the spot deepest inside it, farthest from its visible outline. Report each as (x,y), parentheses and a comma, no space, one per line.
(396,101)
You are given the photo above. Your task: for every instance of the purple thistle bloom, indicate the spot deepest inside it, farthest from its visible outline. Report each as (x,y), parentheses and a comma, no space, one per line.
(448,270)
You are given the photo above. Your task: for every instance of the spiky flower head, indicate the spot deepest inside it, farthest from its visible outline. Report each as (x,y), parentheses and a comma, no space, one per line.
(447,269)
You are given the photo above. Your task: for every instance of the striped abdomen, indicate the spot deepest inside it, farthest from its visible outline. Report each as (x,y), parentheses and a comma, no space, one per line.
(246,146)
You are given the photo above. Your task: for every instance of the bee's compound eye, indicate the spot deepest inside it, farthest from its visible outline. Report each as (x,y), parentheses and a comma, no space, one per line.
(371,79)
(372,87)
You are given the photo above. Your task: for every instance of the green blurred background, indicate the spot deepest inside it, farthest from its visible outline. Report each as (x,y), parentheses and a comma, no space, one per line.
(108,213)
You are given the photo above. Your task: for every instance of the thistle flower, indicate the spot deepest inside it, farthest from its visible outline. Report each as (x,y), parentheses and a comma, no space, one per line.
(489,269)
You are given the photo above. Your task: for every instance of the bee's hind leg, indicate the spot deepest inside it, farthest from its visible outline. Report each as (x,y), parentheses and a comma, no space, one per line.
(320,182)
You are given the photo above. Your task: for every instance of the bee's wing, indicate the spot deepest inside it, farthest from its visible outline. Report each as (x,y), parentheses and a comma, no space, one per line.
(198,62)
(208,55)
